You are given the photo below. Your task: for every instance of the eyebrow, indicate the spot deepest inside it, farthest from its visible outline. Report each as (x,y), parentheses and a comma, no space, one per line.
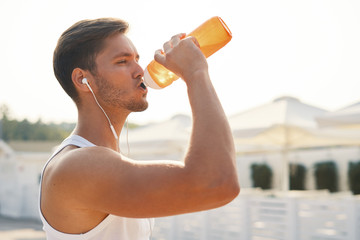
(126,54)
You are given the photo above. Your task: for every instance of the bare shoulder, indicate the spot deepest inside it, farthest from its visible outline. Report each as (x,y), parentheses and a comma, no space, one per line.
(69,181)
(73,166)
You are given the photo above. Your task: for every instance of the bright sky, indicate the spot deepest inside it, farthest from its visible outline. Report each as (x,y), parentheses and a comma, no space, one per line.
(307,49)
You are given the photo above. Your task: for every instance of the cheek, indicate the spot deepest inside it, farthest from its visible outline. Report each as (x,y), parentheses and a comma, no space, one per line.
(120,76)
(114,78)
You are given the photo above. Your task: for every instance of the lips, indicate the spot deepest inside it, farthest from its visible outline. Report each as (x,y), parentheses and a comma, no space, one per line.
(142,85)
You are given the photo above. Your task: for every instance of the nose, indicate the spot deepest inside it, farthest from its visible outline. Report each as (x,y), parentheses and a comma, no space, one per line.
(139,71)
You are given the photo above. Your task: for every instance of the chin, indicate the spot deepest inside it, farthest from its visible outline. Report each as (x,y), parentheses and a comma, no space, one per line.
(140,107)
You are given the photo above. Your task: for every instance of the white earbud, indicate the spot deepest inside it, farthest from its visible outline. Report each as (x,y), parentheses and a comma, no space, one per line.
(84,81)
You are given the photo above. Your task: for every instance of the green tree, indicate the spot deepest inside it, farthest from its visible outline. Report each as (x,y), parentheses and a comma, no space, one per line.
(24,130)
(11,129)
(354,177)
(261,175)
(326,176)
(297,176)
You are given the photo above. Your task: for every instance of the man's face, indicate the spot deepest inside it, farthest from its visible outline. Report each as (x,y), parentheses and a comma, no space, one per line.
(119,76)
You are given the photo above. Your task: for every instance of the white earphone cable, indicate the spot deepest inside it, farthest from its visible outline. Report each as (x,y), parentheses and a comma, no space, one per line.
(111,126)
(127,137)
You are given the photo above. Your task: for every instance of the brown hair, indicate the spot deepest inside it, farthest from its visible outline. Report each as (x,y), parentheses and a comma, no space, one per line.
(79,45)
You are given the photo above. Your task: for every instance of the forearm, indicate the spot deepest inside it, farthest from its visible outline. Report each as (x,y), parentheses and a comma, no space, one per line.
(211,153)
(209,173)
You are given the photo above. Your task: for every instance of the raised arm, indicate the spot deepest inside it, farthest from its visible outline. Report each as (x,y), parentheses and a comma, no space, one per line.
(211,154)
(98,179)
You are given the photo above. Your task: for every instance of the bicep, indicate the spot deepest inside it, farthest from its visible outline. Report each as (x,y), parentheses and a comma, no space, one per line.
(105,182)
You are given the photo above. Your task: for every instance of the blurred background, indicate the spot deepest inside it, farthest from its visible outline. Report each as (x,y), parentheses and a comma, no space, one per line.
(288,82)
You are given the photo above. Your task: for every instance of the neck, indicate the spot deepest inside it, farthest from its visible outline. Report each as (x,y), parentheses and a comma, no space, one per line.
(94,126)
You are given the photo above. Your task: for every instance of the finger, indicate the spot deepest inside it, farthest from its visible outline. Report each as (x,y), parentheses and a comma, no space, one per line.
(194,41)
(159,56)
(167,46)
(177,38)
(182,35)
(174,41)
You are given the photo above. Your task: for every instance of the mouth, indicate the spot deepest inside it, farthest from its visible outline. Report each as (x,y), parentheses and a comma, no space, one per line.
(142,85)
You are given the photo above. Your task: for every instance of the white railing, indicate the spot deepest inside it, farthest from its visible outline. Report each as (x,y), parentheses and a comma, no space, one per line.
(254,215)
(266,216)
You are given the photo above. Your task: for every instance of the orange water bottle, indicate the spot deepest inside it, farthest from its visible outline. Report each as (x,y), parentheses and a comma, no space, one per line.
(211,35)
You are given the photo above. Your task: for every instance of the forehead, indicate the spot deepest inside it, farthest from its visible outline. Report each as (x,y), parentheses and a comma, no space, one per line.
(116,45)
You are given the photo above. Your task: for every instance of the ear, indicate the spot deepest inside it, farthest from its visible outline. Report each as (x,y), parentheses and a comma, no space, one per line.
(77,76)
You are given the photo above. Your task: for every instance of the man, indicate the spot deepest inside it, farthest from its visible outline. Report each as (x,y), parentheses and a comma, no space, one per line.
(88,189)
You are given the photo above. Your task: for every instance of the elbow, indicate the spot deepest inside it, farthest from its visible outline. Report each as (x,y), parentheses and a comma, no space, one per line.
(224,191)
(229,190)
(228,186)
(228,180)
(213,186)
(234,189)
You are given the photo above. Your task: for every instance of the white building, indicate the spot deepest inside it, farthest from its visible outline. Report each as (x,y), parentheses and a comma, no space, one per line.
(20,167)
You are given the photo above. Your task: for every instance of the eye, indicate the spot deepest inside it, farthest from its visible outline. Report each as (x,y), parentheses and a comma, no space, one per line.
(122,61)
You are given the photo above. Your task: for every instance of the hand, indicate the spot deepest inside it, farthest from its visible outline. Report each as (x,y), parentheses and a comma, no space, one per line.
(182,56)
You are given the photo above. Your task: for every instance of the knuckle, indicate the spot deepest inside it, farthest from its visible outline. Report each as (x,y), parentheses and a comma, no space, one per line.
(183,42)
(177,36)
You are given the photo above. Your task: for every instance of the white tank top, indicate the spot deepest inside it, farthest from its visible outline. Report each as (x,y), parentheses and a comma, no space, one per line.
(112,227)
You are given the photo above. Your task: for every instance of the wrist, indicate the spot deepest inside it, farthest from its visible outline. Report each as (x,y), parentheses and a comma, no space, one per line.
(196,77)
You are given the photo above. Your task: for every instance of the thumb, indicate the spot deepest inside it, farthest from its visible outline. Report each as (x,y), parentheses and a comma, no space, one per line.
(159,56)
(195,41)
